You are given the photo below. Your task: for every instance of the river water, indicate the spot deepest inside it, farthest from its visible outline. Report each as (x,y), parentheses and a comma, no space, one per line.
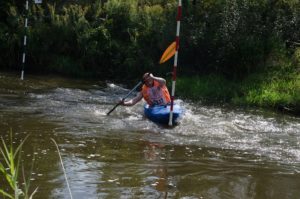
(215,152)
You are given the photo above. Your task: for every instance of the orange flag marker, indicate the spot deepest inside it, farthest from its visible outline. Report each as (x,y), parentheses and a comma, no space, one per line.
(169,52)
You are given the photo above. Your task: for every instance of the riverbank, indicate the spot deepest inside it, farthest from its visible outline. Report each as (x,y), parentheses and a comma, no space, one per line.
(279,91)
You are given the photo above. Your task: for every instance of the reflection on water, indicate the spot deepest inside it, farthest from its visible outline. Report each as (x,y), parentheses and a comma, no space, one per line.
(215,152)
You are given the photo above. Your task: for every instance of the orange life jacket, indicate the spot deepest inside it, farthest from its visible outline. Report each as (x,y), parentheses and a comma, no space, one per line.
(156,95)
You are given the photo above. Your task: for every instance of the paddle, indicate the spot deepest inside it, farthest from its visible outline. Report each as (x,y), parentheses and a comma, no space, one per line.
(142,81)
(169,52)
(118,104)
(136,86)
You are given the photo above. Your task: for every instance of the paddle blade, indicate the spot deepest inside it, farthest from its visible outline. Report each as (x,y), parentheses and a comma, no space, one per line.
(169,52)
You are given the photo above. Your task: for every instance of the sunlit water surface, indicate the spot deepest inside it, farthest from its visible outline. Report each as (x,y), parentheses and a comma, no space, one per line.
(215,152)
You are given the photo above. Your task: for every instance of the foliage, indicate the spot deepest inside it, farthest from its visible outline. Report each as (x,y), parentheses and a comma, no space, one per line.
(236,37)
(102,38)
(10,169)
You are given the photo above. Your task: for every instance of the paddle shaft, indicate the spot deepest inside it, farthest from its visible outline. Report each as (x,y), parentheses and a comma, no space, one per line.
(125,97)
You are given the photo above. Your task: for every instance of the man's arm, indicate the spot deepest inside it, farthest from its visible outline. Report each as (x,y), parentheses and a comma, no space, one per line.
(160,80)
(133,101)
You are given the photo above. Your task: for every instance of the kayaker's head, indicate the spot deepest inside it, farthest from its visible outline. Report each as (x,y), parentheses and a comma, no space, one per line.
(148,80)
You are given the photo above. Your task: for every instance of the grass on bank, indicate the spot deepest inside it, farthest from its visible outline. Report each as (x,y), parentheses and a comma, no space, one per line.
(262,90)
(206,88)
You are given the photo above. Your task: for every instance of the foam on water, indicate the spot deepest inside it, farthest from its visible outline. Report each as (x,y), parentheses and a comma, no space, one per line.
(270,136)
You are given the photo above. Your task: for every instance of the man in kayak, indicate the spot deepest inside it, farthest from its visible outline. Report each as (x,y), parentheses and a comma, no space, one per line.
(154,92)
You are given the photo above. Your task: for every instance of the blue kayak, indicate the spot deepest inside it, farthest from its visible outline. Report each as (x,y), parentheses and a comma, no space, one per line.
(160,114)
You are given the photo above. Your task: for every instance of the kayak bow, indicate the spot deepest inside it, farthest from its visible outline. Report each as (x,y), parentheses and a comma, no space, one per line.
(160,114)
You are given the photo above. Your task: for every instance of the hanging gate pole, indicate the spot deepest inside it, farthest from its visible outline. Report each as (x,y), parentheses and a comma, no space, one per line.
(25,40)
(178,18)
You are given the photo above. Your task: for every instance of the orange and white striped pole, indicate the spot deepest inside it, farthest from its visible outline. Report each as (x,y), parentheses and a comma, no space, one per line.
(178,18)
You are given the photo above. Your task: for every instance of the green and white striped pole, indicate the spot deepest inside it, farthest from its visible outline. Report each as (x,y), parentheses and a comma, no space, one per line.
(25,39)
(25,35)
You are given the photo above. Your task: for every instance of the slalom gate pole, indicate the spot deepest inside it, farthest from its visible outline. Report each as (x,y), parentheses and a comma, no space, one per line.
(178,18)
(25,40)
